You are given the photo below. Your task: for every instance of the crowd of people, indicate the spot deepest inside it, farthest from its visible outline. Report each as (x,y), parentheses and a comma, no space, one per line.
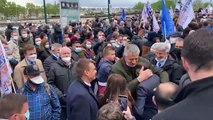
(80,72)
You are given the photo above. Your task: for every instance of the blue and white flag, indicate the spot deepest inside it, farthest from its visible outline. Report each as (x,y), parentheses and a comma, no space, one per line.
(149,9)
(5,72)
(179,5)
(166,21)
(186,14)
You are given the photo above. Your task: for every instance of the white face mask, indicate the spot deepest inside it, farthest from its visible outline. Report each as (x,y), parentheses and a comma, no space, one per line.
(88,46)
(32,58)
(37,80)
(38,43)
(15,37)
(161,60)
(66,59)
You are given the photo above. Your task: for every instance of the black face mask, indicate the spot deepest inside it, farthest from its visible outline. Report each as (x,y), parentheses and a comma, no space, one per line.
(177,52)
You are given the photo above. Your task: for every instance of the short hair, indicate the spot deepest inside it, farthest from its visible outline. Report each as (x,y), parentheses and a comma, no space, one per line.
(131,48)
(179,39)
(197,47)
(205,23)
(55,45)
(28,47)
(107,49)
(42,35)
(23,30)
(115,35)
(10,104)
(165,99)
(81,66)
(162,46)
(110,111)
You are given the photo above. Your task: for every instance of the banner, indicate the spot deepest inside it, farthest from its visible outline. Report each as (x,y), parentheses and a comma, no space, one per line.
(186,14)
(5,72)
(69,11)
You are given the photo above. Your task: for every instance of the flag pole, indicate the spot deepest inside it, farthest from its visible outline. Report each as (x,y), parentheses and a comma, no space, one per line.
(12,82)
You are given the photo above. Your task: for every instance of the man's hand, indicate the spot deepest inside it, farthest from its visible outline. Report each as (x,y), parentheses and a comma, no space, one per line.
(144,74)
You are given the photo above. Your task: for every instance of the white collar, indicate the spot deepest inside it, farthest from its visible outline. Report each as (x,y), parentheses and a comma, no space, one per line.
(88,84)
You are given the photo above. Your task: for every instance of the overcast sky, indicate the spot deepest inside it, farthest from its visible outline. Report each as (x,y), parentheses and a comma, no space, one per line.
(92,3)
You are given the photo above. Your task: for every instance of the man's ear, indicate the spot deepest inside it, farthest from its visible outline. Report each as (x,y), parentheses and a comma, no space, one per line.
(153,99)
(185,63)
(85,72)
(14,117)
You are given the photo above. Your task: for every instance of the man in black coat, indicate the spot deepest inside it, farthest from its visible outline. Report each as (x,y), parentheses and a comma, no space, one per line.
(55,49)
(81,100)
(60,77)
(162,60)
(8,31)
(195,99)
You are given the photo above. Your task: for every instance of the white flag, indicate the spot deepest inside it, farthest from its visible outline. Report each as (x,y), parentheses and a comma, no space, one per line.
(210,10)
(156,26)
(186,14)
(171,12)
(144,15)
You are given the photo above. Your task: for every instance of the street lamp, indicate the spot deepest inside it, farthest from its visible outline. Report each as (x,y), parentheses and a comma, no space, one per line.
(45,11)
(109,10)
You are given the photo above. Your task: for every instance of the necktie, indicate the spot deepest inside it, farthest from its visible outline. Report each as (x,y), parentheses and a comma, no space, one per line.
(158,65)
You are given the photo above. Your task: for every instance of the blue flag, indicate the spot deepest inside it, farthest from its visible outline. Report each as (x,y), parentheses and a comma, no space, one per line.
(123,15)
(167,23)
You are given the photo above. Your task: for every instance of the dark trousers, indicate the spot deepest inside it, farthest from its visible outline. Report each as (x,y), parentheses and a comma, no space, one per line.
(63,113)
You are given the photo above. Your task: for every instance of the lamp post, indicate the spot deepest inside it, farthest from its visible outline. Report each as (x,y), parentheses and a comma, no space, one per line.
(45,11)
(109,10)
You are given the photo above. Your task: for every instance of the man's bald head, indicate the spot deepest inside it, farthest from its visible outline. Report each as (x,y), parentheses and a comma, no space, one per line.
(164,95)
(65,52)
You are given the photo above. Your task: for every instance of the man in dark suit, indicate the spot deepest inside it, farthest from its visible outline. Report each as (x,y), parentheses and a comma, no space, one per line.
(195,99)
(55,49)
(81,100)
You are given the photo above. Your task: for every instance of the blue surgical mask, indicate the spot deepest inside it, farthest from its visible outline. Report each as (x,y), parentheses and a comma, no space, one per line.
(9,57)
(88,46)
(78,50)
(47,46)
(56,55)
(38,43)
(27,115)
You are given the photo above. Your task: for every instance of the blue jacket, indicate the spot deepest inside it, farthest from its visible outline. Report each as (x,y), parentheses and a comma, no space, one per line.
(104,69)
(144,108)
(42,105)
(81,102)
